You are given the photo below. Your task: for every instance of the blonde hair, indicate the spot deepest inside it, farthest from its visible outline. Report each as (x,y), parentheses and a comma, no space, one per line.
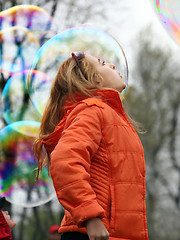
(69,80)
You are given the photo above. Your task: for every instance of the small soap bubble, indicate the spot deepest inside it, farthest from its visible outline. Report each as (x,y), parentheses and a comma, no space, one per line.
(32,17)
(16,104)
(17,167)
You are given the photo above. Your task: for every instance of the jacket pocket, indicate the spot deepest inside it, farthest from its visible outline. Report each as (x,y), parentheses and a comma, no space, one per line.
(111,208)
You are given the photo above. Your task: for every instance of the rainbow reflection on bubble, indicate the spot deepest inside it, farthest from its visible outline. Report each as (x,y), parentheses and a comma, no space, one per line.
(31,17)
(23,29)
(168,12)
(46,36)
(92,41)
(16,104)
(17,175)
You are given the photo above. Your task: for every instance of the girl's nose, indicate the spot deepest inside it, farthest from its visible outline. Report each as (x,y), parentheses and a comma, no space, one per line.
(112,66)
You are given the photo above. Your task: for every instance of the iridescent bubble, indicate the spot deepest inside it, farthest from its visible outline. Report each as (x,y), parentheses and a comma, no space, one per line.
(17,167)
(92,41)
(39,86)
(16,103)
(7,65)
(46,36)
(18,46)
(21,30)
(168,11)
(31,17)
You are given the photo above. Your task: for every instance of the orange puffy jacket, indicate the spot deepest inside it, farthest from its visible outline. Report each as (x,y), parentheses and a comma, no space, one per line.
(98,167)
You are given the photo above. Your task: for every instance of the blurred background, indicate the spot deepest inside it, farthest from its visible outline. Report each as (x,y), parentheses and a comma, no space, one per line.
(153,98)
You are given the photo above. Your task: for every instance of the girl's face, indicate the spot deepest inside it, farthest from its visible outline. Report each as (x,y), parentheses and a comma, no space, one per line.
(8,219)
(111,77)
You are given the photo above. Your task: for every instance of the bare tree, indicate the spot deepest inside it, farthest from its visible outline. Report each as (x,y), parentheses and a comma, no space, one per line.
(154,101)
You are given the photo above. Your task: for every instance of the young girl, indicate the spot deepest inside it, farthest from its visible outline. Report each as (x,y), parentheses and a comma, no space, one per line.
(6,223)
(95,157)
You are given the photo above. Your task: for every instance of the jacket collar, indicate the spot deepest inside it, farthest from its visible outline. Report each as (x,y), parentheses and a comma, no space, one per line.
(110,96)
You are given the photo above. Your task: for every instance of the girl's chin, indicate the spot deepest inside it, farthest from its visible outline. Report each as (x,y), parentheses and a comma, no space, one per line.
(122,88)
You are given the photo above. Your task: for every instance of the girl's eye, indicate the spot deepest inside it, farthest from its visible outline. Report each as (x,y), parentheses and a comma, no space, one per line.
(102,62)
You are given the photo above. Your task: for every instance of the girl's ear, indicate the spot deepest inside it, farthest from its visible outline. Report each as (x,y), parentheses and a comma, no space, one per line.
(98,80)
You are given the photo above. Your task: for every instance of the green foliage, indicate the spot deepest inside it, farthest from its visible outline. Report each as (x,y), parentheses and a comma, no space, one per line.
(154,90)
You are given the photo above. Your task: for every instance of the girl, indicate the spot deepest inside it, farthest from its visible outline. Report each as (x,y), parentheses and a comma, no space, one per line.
(6,223)
(95,157)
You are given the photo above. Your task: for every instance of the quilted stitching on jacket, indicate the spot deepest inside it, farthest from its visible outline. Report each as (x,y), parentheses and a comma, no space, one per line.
(101,170)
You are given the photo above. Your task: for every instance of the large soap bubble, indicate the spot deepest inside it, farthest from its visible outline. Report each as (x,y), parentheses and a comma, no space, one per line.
(168,12)
(16,104)
(17,175)
(92,41)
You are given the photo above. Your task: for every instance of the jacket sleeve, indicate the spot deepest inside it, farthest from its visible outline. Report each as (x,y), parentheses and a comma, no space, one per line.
(71,160)
(5,233)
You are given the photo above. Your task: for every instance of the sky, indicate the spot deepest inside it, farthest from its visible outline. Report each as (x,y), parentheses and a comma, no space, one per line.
(139,14)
